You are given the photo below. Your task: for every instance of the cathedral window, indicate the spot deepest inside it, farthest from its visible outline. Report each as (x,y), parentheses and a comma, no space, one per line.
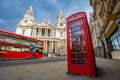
(25,20)
(31,33)
(60,18)
(61,34)
(43,33)
(61,24)
(23,32)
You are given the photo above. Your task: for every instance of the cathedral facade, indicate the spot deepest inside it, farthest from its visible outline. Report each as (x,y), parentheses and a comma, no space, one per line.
(54,37)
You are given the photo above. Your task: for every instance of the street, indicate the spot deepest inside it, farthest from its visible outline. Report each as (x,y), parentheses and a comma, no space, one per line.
(7,63)
(106,70)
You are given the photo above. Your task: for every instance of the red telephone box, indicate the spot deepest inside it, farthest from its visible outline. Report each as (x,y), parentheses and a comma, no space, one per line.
(79,46)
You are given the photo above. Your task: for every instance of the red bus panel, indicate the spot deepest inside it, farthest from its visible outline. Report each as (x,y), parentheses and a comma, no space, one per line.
(7,53)
(79,46)
(15,46)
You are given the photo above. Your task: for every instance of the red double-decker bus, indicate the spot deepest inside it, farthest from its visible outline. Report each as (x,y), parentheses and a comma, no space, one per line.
(16,46)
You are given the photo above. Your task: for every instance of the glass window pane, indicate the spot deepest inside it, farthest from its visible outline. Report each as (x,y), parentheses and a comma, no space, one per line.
(116,44)
(117,33)
(76,28)
(114,35)
(76,33)
(113,45)
(119,39)
(78,62)
(77,43)
(78,55)
(119,28)
(75,24)
(77,49)
(77,38)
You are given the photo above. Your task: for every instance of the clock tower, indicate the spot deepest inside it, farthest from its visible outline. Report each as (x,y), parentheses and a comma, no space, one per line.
(60,20)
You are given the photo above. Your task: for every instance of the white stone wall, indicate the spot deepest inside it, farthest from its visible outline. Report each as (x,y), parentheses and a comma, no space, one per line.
(27,32)
(19,31)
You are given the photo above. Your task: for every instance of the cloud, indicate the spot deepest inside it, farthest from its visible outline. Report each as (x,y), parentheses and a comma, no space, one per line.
(56,3)
(53,1)
(2,21)
(11,12)
(81,6)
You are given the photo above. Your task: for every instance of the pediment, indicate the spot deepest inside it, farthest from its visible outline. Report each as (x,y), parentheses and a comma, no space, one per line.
(44,24)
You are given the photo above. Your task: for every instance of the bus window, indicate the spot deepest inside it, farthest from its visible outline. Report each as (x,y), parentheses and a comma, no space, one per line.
(39,51)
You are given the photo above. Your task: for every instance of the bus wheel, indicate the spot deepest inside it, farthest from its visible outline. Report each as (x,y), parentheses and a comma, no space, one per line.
(1,56)
(33,57)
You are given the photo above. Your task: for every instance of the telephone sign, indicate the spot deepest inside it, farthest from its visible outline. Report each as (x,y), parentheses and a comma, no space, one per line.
(79,46)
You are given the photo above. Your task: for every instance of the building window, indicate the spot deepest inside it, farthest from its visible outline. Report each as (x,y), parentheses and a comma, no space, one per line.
(93,22)
(25,20)
(43,33)
(96,29)
(31,33)
(54,34)
(61,34)
(115,39)
(23,32)
(97,35)
(99,43)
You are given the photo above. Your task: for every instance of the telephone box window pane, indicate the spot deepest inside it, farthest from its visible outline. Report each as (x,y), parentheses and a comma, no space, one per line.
(77,43)
(81,62)
(76,29)
(75,24)
(84,49)
(77,49)
(76,33)
(77,38)
(78,55)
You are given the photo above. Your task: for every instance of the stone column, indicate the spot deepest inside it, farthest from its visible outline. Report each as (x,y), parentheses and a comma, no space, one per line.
(50,33)
(47,32)
(51,44)
(34,31)
(108,51)
(58,45)
(55,46)
(40,32)
(31,31)
(46,46)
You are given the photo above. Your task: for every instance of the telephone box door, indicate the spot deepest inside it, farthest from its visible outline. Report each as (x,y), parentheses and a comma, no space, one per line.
(79,46)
